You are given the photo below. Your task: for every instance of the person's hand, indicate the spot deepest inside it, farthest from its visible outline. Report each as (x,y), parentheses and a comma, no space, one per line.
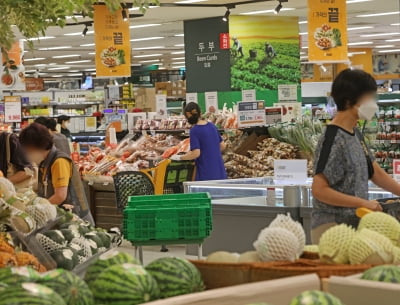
(373,205)
(176,158)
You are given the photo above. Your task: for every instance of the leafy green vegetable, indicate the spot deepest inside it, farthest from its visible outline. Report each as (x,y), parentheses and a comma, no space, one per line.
(337,37)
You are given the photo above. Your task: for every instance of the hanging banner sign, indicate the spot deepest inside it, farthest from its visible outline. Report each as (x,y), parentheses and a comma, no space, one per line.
(113,46)
(12,109)
(327,31)
(251,114)
(12,70)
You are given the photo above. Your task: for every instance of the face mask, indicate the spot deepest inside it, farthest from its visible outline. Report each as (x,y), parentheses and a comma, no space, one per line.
(367,110)
(36,158)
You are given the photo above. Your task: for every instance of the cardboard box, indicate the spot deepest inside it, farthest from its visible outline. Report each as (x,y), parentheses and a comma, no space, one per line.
(353,290)
(277,292)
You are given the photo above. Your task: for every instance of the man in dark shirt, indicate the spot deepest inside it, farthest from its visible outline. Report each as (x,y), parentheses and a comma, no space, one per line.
(16,157)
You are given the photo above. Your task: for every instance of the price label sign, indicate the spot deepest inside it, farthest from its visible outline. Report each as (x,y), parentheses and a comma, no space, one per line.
(12,109)
(287,93)
(211,101)
(290,171)
(249,95)
(161,104)
(251,114)
(191,98)
(396,169)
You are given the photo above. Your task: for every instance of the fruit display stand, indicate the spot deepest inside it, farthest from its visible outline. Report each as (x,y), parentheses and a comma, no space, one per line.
(277,292)
(355,291)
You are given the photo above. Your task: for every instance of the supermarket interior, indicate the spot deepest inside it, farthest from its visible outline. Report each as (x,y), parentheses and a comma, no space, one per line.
(176,152)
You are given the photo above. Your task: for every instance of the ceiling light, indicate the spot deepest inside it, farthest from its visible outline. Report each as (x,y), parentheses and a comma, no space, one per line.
(359,28)
(30,71)
(92,53)
(75,74)
(303,22)
(359,43)
(92,69)
(385,46)
(178,58)
(53,64)
(380,34)
(87,45)
(304,47)
(267,11)
(178,52)
(148,48)
(303,33)
(189,1)
(147,61)
(55,48)
(85,30)
(78,33)
(395,24)
(323,68)
(356,53)
(179,45)
(39,38)
(147,55)
(378,14)
(304,57)
(74,71)
(147,38)
(143,25)
(34,59)
(58,75)
(278,8)
(393,40)
(357,1)
(226,16)
(390,51)
(178,63)
(40,65)
(66,56)
(78,61)
(179,35)
(178,67)
(58,68)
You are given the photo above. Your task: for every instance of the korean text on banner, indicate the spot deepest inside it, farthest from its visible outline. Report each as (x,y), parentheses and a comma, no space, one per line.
(327,31)
(12,70)
(113,47)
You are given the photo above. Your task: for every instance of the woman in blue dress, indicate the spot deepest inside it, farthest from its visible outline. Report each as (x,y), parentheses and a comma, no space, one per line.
(206,146)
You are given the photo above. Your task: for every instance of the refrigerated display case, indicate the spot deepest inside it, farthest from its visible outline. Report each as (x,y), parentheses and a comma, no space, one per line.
(243,207)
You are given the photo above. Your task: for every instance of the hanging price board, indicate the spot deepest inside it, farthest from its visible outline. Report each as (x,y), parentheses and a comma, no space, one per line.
(251,114)
(12,109)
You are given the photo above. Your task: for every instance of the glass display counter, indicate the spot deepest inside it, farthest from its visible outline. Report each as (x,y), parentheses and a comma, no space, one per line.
(243,207)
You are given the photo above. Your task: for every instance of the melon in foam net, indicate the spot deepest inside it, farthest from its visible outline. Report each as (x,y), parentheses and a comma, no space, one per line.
(383,224)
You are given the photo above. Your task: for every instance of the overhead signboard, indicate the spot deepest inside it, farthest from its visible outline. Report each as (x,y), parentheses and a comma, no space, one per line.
(12,70)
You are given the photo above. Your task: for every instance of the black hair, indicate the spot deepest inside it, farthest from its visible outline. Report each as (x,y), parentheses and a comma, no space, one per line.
(63,118)
(48,122)
(36,136)
(193,113)
(349,86)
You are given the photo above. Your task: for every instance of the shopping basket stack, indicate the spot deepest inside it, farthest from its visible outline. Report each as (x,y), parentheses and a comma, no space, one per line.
(168,219)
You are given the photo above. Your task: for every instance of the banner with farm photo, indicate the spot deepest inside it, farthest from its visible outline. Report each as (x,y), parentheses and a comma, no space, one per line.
(12,69)
(265,52)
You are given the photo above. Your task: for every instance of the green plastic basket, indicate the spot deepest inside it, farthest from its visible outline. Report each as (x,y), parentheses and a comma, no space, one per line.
(168,218)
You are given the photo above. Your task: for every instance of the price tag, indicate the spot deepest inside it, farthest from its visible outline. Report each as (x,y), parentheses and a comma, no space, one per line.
(161,104)
(396,169)
(211,101)
(191,98)
(251,114)
(12,109)
(287,93)
(290,171)
(249,95)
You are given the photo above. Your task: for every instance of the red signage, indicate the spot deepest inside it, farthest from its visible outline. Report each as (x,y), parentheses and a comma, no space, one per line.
(224,41)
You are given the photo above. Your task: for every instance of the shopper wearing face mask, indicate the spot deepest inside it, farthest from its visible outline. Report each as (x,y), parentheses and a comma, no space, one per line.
(58,180)
(206,146)
(64,121)
(343,162)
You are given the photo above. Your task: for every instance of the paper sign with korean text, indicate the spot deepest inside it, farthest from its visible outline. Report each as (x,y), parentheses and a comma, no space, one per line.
(12,109)
(396,169)
(211,101)
(161,104)
(12,70)
(113,46)
(191,98)
(251,114)
(287,93)
(290,171)
(327,31)
(249,95)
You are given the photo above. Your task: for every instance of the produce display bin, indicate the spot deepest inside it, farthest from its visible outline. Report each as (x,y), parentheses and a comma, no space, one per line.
(167,219)
(355,291)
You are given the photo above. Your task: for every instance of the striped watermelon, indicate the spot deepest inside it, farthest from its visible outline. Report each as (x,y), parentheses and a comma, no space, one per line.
(69,286)
(30,294)
(385,273)
(315,297)
(106,260)
(175,276)
(125,284)
(17,275)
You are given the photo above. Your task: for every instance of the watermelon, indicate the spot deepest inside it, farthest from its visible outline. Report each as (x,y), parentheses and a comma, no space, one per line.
(69,286)
(65,258)
(125,284)
(56,236)
(69,235)
(175,276)
(93,237)
(17,275)
(105,239)
(30,293)
(385,273)
(315,297)
(106,260)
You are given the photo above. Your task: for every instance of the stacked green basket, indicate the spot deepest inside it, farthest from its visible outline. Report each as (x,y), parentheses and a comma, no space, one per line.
(175,218)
